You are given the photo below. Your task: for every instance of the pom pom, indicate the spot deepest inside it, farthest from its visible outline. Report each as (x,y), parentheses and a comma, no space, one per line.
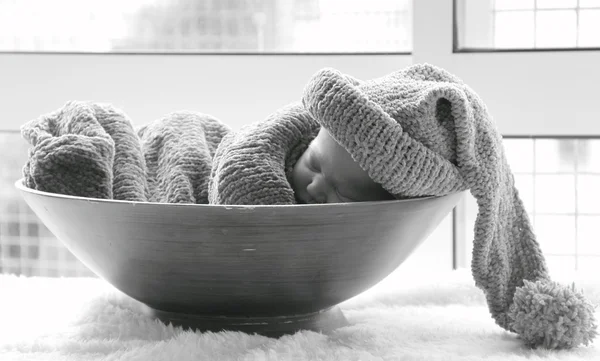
(547,314)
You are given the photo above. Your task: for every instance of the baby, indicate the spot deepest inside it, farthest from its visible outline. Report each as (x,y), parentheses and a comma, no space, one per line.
(326,173)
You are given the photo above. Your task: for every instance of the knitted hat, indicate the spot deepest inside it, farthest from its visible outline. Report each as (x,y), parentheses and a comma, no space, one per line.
(422,131)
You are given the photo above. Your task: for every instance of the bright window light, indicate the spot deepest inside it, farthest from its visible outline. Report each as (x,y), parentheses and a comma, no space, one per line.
(532,24)
(555,4)
(295,26)
(514,4)
(589,28)
(589,3)
(558,180)
(549,35)
(514,29)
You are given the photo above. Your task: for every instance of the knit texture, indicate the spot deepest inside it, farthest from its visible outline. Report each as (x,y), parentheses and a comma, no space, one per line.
(85,149)
(178,152)
(92,150)
(254,166)
(421,131)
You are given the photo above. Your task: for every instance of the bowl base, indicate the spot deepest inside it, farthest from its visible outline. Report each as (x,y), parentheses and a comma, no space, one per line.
(323,321)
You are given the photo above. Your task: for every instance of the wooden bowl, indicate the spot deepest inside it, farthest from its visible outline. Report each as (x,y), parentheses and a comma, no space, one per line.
(265,269)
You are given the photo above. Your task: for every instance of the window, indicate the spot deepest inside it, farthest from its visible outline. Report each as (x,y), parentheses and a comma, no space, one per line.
(527,24)
(558,180)
(287,26)
(26,246)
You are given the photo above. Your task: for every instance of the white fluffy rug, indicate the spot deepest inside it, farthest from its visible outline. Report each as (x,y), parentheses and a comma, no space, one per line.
(402,318)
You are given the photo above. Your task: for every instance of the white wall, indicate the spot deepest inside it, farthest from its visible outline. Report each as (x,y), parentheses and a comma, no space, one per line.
(235,89)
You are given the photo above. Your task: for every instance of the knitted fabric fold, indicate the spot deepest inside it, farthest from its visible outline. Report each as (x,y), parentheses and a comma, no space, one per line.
(85,149)
(178,151)
(421,131)
(92,150)
(253,166)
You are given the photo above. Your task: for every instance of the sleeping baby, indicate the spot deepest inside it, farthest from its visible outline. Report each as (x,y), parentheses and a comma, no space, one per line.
(326,173)
(290,158)
(287,158)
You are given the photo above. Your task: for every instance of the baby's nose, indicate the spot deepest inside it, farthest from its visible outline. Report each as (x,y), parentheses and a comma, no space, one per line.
(317,189)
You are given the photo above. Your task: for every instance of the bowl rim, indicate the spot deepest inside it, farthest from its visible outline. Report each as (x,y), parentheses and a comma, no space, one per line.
(20,185)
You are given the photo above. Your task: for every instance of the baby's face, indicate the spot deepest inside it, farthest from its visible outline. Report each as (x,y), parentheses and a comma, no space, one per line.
(326,173)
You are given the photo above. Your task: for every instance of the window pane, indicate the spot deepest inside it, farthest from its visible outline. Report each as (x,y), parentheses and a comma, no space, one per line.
(588,195)
(556,234)
(206,26)
(588,155)
(514,29)
(519,154)
(589,28)
(555,155)
(336,28)
(475,21)
(488,25)
(561,199)
(555,194)
(588,232)
(589,265)
(556,28)
(26,246)
(512,4)
(560,264)
(589,3)
(555,4)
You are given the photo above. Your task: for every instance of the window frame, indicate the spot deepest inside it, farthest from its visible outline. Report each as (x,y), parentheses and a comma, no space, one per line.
(457,49)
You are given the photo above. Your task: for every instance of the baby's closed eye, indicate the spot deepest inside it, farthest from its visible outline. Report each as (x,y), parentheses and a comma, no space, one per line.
(313,164)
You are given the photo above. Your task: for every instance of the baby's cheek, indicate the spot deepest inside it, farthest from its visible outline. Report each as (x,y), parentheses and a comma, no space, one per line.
(332,197)
(298,177)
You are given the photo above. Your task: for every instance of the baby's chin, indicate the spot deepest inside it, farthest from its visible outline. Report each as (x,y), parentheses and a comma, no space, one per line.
(300,199)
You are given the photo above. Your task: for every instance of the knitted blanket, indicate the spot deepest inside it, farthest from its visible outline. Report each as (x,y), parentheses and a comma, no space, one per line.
(92,150)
